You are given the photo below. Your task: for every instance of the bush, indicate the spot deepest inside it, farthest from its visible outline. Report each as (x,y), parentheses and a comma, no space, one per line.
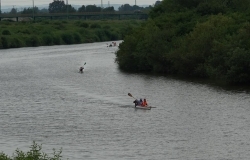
(84,25)
(6,32)
(47,39)
(67,38)
(101,35)
(57,39)
(35,153)
(33,41)
(15,43)
(25,31)
(77,37)
(45,22)
(106,27)
(238,64)
(5,43)
(93,26)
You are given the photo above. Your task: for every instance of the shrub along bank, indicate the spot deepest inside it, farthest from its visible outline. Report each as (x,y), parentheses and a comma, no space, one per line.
(47,33)
(35,153)
(192,38)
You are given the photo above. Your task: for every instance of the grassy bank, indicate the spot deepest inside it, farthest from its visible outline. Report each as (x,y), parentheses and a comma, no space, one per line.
(58,32)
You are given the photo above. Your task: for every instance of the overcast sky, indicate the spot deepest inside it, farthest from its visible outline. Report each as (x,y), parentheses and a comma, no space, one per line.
(76,2)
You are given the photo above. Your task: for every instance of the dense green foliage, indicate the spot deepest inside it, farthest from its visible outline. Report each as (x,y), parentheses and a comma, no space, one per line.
(46,33)
(60,7)
(192,38)
(35,153)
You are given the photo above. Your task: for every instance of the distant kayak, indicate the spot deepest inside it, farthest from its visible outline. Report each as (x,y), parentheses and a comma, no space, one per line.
(144,107)
(138,104)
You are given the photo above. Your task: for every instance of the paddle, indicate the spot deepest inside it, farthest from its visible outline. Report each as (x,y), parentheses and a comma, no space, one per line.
(129,94)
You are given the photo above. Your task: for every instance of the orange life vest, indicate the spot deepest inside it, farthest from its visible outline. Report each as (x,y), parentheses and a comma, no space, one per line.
(144,103)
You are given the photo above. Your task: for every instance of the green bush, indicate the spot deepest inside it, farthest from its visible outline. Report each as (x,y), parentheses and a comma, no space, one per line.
(46,22)
(33,41)
(67,38)
(47,39)
(93,26)
(77,38)
(84,25)
(56,32)
(15,43)
(238,66)
(1,46)
(25,31)
(35,153)
(106,27)
(101,35)
(84,32)
(6,32)
(57,39)
(5,43)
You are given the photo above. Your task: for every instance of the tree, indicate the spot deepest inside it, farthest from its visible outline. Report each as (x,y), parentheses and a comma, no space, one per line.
(82,9)
(44,10)
(13,11)
(125,7)
(30,10)
(93,8)
(69,8)
(57,6)
(109,9)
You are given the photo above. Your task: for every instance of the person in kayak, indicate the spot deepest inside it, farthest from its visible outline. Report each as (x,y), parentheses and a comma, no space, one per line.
(136,102)
(81,69)
(144,103)
(141,102)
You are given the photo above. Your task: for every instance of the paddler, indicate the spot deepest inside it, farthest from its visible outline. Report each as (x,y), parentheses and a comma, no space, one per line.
(81,69)
(144,103)
(136,102)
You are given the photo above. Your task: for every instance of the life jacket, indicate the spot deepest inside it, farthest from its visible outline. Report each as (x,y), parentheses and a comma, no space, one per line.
(144,103)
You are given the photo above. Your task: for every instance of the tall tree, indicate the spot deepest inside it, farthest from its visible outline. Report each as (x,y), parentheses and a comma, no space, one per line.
(57,6)
(13,11)
(109,9)
(125,7)
(82,9)
(93,8)
(69,8)
(30,10)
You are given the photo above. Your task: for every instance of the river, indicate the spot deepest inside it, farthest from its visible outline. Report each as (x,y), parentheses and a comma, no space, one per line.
(44,99)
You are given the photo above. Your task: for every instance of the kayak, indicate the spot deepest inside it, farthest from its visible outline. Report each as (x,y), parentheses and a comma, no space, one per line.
(143,107)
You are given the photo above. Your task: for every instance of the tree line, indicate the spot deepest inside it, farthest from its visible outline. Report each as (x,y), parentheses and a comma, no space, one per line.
(192,38)
(59,6)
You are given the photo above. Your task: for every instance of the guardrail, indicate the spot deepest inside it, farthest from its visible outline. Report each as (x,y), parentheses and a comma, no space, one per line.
(78,14)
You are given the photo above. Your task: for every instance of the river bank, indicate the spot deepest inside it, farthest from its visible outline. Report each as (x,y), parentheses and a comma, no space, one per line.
(61,32)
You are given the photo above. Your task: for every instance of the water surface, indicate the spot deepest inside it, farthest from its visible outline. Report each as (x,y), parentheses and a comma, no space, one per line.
(43,98)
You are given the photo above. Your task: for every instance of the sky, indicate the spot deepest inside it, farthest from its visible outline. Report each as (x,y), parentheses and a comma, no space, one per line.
(27,3)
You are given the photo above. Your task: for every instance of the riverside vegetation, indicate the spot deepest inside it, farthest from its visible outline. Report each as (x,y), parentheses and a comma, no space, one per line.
(35,153)
(59,32)
(192,38)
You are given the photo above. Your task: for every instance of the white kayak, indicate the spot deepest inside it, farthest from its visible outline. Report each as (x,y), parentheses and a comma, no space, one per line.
(143,107)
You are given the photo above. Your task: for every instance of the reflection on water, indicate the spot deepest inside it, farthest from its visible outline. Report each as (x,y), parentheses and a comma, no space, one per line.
(43,98)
